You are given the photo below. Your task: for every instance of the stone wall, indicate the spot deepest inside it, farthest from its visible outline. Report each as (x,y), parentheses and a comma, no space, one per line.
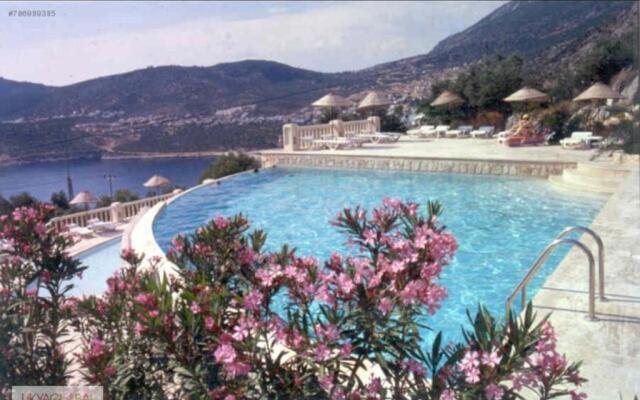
(442,165)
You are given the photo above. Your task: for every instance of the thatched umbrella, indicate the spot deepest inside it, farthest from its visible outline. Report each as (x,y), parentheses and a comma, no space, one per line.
(447,98)
(331,102)
(157,181)
(598,91)
(527,95)
(373,100)
(85,198)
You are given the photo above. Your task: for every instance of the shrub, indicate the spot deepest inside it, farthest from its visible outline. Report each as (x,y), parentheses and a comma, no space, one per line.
(35,310)
(121,195)
(214,330)
(229,164)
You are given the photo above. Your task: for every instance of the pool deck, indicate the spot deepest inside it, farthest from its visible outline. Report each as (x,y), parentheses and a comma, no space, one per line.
(609,346)
(85,244)
(463,149)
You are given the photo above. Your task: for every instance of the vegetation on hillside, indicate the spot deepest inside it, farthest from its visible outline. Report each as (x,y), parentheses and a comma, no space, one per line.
(485,84)
(230,164)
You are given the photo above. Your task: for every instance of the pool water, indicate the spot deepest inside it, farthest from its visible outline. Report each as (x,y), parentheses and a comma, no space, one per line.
(101,261)
(501,223)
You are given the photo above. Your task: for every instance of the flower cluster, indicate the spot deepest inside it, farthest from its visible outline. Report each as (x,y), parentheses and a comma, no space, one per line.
(232,321)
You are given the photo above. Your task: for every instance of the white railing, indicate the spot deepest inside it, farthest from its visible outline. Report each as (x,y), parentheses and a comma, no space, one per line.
(116,212)
(356,127)
(295,137)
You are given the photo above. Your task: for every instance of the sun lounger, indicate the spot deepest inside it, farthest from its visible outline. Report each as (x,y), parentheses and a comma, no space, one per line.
(98,226)
(461,131)
(421,131)
(337,143)
(80,231)
(379,137)
(580,139)
(485,131)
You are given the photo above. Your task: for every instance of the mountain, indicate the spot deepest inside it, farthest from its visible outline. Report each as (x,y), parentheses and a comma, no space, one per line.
(244,104)
(529,28)
(15,97)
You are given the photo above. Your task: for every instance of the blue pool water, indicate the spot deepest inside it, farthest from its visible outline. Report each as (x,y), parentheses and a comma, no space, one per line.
(501,223)
(102,261)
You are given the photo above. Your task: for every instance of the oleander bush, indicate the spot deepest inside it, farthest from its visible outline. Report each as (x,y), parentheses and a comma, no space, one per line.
(35,311)
(235,321)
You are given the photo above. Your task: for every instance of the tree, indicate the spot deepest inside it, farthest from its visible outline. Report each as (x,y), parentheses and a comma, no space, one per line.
(60,200)
(23,199)
(229,164)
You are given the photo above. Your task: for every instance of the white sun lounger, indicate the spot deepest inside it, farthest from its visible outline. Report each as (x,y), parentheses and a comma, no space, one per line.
(461,131)
(580,139)
(76,230)
(379,137)
(420,131)
(337,143)
(97,226)
(485,131)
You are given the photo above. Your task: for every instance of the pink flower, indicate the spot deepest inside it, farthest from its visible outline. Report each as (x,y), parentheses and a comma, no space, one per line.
(494,392)
(237,368)
(414,366)
(491,359)
(322,352)
(146,299)
(385,305)
(138,328)
(370,237)
(225,354)
(221,222)
(326,381)
(577,396)
(253,300)
(345,284)
(195,308)
(209,323)
(346,349)
(448,394)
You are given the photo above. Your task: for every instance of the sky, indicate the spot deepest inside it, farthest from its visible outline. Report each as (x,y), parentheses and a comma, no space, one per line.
(87,40)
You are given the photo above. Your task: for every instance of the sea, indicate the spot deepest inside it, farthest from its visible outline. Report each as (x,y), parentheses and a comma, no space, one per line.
(42,179)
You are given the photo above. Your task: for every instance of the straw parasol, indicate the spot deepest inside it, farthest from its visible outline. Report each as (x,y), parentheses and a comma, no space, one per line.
(85,198)
(331,102)
(373,100)
(598,91)
(527,95)
(447,98)
(156,181)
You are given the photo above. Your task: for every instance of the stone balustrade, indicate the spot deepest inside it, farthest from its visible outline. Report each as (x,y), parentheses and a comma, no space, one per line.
(116,212)
(296,137)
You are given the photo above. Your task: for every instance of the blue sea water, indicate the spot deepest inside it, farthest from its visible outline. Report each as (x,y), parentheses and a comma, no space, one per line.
(501,223)
(42,179)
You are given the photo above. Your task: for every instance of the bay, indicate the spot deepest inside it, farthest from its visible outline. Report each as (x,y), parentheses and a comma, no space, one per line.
(42,179)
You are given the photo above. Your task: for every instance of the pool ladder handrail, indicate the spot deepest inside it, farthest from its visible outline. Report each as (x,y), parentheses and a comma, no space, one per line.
(560,239)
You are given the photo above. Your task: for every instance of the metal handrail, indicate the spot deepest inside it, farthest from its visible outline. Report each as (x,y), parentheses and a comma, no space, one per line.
(598,241)
(522,286)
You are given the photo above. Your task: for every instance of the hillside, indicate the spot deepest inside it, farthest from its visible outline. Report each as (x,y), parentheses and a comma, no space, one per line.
(244,104)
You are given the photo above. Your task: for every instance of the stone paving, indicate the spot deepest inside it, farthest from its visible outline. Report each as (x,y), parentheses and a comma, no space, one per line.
(474,149)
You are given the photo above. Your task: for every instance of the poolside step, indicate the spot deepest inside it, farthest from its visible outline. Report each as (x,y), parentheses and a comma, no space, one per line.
(561,181)
(605,170)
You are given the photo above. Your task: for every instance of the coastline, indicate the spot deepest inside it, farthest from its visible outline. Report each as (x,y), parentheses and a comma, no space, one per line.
(7,162)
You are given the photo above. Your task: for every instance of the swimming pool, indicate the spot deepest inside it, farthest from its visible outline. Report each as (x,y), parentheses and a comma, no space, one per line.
(501,223)
(101,261)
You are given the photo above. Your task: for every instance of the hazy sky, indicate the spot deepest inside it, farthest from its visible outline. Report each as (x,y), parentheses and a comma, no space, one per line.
(88,40)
